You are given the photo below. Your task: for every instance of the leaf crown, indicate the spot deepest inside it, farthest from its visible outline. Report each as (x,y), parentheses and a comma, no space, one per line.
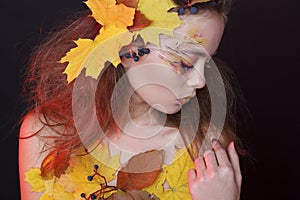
(122,22)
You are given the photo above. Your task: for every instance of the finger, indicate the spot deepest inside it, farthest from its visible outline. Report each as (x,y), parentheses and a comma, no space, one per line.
(210,160)
(234,158)
(200,167)
(221,154)
(192,175)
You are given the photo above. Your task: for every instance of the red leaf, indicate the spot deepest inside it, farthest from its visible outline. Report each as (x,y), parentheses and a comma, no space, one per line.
(139,21)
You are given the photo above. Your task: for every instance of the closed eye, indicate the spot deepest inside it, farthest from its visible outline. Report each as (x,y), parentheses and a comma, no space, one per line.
(185,66)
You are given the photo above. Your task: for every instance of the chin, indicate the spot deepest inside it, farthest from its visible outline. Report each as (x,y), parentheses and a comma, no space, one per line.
(172,109)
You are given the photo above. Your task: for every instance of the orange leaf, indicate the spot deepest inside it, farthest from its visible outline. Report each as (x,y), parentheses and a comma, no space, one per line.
(141,171)
(52,165)
(139,22)
(128,3)
(107,13)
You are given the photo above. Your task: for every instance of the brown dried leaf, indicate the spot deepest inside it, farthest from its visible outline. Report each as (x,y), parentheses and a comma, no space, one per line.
(139,21)
(132,195)
(141,171)
(128,3)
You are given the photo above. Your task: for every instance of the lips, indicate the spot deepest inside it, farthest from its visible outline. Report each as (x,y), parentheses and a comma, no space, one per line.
(184,100)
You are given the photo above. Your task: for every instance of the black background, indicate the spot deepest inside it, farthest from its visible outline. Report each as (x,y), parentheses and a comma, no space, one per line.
(261,46)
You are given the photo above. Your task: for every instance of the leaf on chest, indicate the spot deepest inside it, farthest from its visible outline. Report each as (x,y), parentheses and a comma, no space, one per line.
(132,195)
(141,171)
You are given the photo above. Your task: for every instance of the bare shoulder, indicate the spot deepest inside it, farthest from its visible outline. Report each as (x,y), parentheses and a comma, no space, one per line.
(30,125)
(30,145)
(31,152)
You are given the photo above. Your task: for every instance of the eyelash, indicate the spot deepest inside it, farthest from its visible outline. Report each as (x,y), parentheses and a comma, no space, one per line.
(185,66)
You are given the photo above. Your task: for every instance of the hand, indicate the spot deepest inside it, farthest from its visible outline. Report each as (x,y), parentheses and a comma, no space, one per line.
(216,176)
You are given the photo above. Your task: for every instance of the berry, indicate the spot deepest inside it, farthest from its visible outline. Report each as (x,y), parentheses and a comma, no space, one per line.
(93,196)
(141,53)
(82,195)
(180,11)
(212,3)
(193,10)
(135,58)
(96,167)
(127,55)
(146,50)
(90,178)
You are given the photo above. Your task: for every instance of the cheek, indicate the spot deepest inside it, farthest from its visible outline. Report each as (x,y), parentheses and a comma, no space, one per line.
(213,33)
(159,98)
(154,93)
(213,38)
(206,28)
(156,75)
(169,61)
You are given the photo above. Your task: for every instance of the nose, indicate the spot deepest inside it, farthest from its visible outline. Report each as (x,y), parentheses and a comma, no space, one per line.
(196,78)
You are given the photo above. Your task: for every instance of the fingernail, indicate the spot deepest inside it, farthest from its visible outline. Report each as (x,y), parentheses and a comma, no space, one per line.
(214,141)
(207,152)
(233,146)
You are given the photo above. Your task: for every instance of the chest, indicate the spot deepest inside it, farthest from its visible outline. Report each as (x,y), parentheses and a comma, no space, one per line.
(127,145)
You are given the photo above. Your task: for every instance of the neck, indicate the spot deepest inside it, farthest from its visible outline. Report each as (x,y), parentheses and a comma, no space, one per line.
(141,113)
(144,129)
(144,121)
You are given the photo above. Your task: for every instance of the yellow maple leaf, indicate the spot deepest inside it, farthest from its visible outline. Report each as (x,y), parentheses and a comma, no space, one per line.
(92,54)
(70,185)
(107,12)
(107,49)
(50,188)
(176,175)
(34,178)
(76,57)
(46,197)
(101,154)
(56,191)
(163,22)
(76,181)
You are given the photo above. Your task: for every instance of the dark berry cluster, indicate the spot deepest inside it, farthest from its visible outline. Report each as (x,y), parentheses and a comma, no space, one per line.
(192,8)
(104,188)
(136,56)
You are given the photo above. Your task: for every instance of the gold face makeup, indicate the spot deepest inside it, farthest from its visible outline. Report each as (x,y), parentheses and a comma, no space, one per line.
(178,63)
(194,34)
(182,57)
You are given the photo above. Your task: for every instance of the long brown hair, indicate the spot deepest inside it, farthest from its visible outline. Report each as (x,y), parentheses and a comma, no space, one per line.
(47,92)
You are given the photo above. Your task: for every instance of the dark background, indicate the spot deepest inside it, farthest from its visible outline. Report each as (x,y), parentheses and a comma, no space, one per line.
(261,45)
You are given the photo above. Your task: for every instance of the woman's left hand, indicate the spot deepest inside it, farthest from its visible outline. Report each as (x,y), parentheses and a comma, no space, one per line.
(216,175)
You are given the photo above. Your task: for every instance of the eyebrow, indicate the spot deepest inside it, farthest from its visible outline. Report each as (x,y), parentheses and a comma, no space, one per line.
(197,53)
(189,51)
(185,51)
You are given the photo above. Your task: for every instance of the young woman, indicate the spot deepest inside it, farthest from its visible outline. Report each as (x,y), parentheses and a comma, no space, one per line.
(154,122)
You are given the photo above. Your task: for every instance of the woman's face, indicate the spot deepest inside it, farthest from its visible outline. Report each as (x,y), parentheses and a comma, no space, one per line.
(168,76)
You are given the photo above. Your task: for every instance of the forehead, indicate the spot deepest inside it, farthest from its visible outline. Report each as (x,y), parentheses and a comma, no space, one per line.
(182,47)
(205,29)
